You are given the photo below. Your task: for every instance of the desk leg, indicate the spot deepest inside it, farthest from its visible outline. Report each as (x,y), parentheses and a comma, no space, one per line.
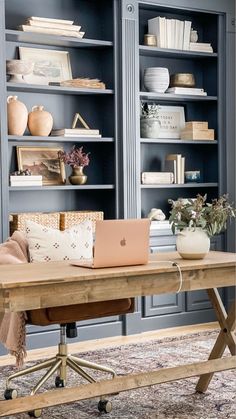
(225,338)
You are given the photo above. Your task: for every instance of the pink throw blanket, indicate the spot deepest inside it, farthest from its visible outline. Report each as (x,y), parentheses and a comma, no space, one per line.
(12,325)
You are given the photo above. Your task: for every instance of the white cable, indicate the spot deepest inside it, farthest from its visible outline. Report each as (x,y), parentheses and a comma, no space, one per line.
(179,270)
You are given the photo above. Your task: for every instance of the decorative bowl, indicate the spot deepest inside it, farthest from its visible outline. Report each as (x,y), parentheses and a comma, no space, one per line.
(182,80)
(192,176)
(17,69)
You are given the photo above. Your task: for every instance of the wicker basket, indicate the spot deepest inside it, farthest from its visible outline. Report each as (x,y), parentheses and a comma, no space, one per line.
(17,221)
(70,218)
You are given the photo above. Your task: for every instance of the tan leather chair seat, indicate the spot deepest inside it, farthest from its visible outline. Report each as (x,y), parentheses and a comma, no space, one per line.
(78,312)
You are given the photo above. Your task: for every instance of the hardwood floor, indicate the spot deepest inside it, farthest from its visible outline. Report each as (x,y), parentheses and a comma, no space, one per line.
(93,345)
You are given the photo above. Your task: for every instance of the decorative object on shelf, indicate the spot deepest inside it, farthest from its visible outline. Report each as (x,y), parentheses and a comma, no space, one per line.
(197,130)
(17,115)
(192,176)
(182,80)
(149,120)
(156,79)
(193,36)
(18,69)
(42,161)
(172,121)
(81,83)
(77,132)
(24,178)
(201,47)
(150,40)
(77,159)
(49,65)
(196,220)
(52,27)
(40,122)
(156,214)
(194,91)
(156,178)
(170,33)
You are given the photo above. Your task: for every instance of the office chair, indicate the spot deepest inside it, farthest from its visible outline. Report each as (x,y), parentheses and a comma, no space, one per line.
(67,316)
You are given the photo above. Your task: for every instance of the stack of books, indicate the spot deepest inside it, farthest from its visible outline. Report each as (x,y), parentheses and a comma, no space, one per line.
(155,178)
(32,180)
(52,26)
(200,47)
(160,225)
(197,130)
(170,33)
(80,82)
(76,132)
(175,163)
(195,91)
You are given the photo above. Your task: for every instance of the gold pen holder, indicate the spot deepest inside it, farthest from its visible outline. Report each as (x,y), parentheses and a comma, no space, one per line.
(150,40)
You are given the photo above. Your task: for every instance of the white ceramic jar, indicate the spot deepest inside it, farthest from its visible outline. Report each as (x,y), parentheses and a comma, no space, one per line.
(192,243)
(156,79)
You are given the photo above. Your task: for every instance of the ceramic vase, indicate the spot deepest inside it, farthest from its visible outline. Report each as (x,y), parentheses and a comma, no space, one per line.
(40,122)
(17,116)
(156,79)
(77,176)
(149,127)
(192,243)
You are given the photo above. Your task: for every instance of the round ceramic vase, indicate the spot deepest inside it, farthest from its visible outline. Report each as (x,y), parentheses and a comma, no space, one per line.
(150,127)
(192,243)
(156,79)
(40,122)
(77,176)
(17,116)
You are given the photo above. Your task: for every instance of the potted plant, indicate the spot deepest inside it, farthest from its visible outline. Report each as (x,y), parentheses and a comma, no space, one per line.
(77,159)
(196,220)
(149,120)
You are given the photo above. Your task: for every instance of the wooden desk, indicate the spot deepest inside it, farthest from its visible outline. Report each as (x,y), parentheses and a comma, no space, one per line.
(31,286)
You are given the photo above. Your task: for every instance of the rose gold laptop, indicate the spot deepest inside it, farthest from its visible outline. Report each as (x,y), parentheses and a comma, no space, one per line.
(119,243)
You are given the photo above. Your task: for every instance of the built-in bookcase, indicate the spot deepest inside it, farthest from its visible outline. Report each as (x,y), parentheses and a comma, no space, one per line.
(92,56)
(206,67)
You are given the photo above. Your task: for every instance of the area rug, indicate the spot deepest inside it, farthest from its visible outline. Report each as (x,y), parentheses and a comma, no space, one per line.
(174,400)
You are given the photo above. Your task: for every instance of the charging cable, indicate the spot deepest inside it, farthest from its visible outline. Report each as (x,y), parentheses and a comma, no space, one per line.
(179,271)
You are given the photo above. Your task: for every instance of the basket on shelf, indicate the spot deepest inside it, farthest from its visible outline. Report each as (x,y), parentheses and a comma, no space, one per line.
(17,221)
(70,218)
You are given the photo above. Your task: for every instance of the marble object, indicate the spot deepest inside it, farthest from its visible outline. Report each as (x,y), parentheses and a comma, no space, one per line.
(156,79)
(17,69)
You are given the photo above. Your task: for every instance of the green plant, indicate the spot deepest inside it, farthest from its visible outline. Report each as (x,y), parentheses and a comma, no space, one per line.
(211,217)
(149,110)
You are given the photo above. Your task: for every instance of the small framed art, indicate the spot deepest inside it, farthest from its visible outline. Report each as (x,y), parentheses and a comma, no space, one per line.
(172,121)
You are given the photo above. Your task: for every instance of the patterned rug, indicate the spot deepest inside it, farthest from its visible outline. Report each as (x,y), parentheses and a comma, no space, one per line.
(175,400)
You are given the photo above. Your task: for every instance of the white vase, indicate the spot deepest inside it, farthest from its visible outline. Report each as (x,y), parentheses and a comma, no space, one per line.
(150,127)
(156,79)
(192,243)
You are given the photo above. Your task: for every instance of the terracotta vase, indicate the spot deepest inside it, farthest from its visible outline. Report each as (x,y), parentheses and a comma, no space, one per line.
(40,122)
(77,176)
(17,116)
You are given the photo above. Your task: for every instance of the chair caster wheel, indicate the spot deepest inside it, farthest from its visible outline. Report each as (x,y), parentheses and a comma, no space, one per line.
(59,382)
(10,393)
(104,406)
(35,413)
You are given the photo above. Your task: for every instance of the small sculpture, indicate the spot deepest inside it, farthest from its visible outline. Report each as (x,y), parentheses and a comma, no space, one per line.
(156,214)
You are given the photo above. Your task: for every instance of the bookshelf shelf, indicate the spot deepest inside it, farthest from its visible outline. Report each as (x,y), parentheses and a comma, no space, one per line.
(174,53)
(54,40)
(173,141)
(21,87)
(26,139)
(168,97)
(180,186)
(60,187)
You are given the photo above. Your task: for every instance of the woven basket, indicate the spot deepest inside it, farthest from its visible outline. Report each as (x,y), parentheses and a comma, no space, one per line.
(17,221)
(70,218)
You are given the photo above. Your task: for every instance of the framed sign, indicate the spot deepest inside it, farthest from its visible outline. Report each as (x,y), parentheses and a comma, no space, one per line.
(172,121)
(42,161)
(49,65)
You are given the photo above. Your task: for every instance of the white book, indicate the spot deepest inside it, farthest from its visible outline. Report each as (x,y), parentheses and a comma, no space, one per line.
(173,30)
(53,25)
(157,177)
(175,161)
(187,31)
(51,31)
(154,28)
(74,131)
(200,44)
(49,19)
(32,183)
(26,178)
(182,169)
(177,30)
(181,34)
(160,225)
(186,91)
(169,33)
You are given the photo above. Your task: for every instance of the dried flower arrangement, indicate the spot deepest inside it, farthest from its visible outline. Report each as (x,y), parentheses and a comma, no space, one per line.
(149,110)
(211,217)
(76,157)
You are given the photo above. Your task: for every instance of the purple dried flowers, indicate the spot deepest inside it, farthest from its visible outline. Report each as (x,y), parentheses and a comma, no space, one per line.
(75,157)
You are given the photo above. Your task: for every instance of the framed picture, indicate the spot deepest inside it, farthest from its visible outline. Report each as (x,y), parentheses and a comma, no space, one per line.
(42,161)
(49,65)
(172,120)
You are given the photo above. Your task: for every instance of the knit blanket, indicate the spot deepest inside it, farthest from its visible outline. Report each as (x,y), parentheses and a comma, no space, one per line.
(12,325)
